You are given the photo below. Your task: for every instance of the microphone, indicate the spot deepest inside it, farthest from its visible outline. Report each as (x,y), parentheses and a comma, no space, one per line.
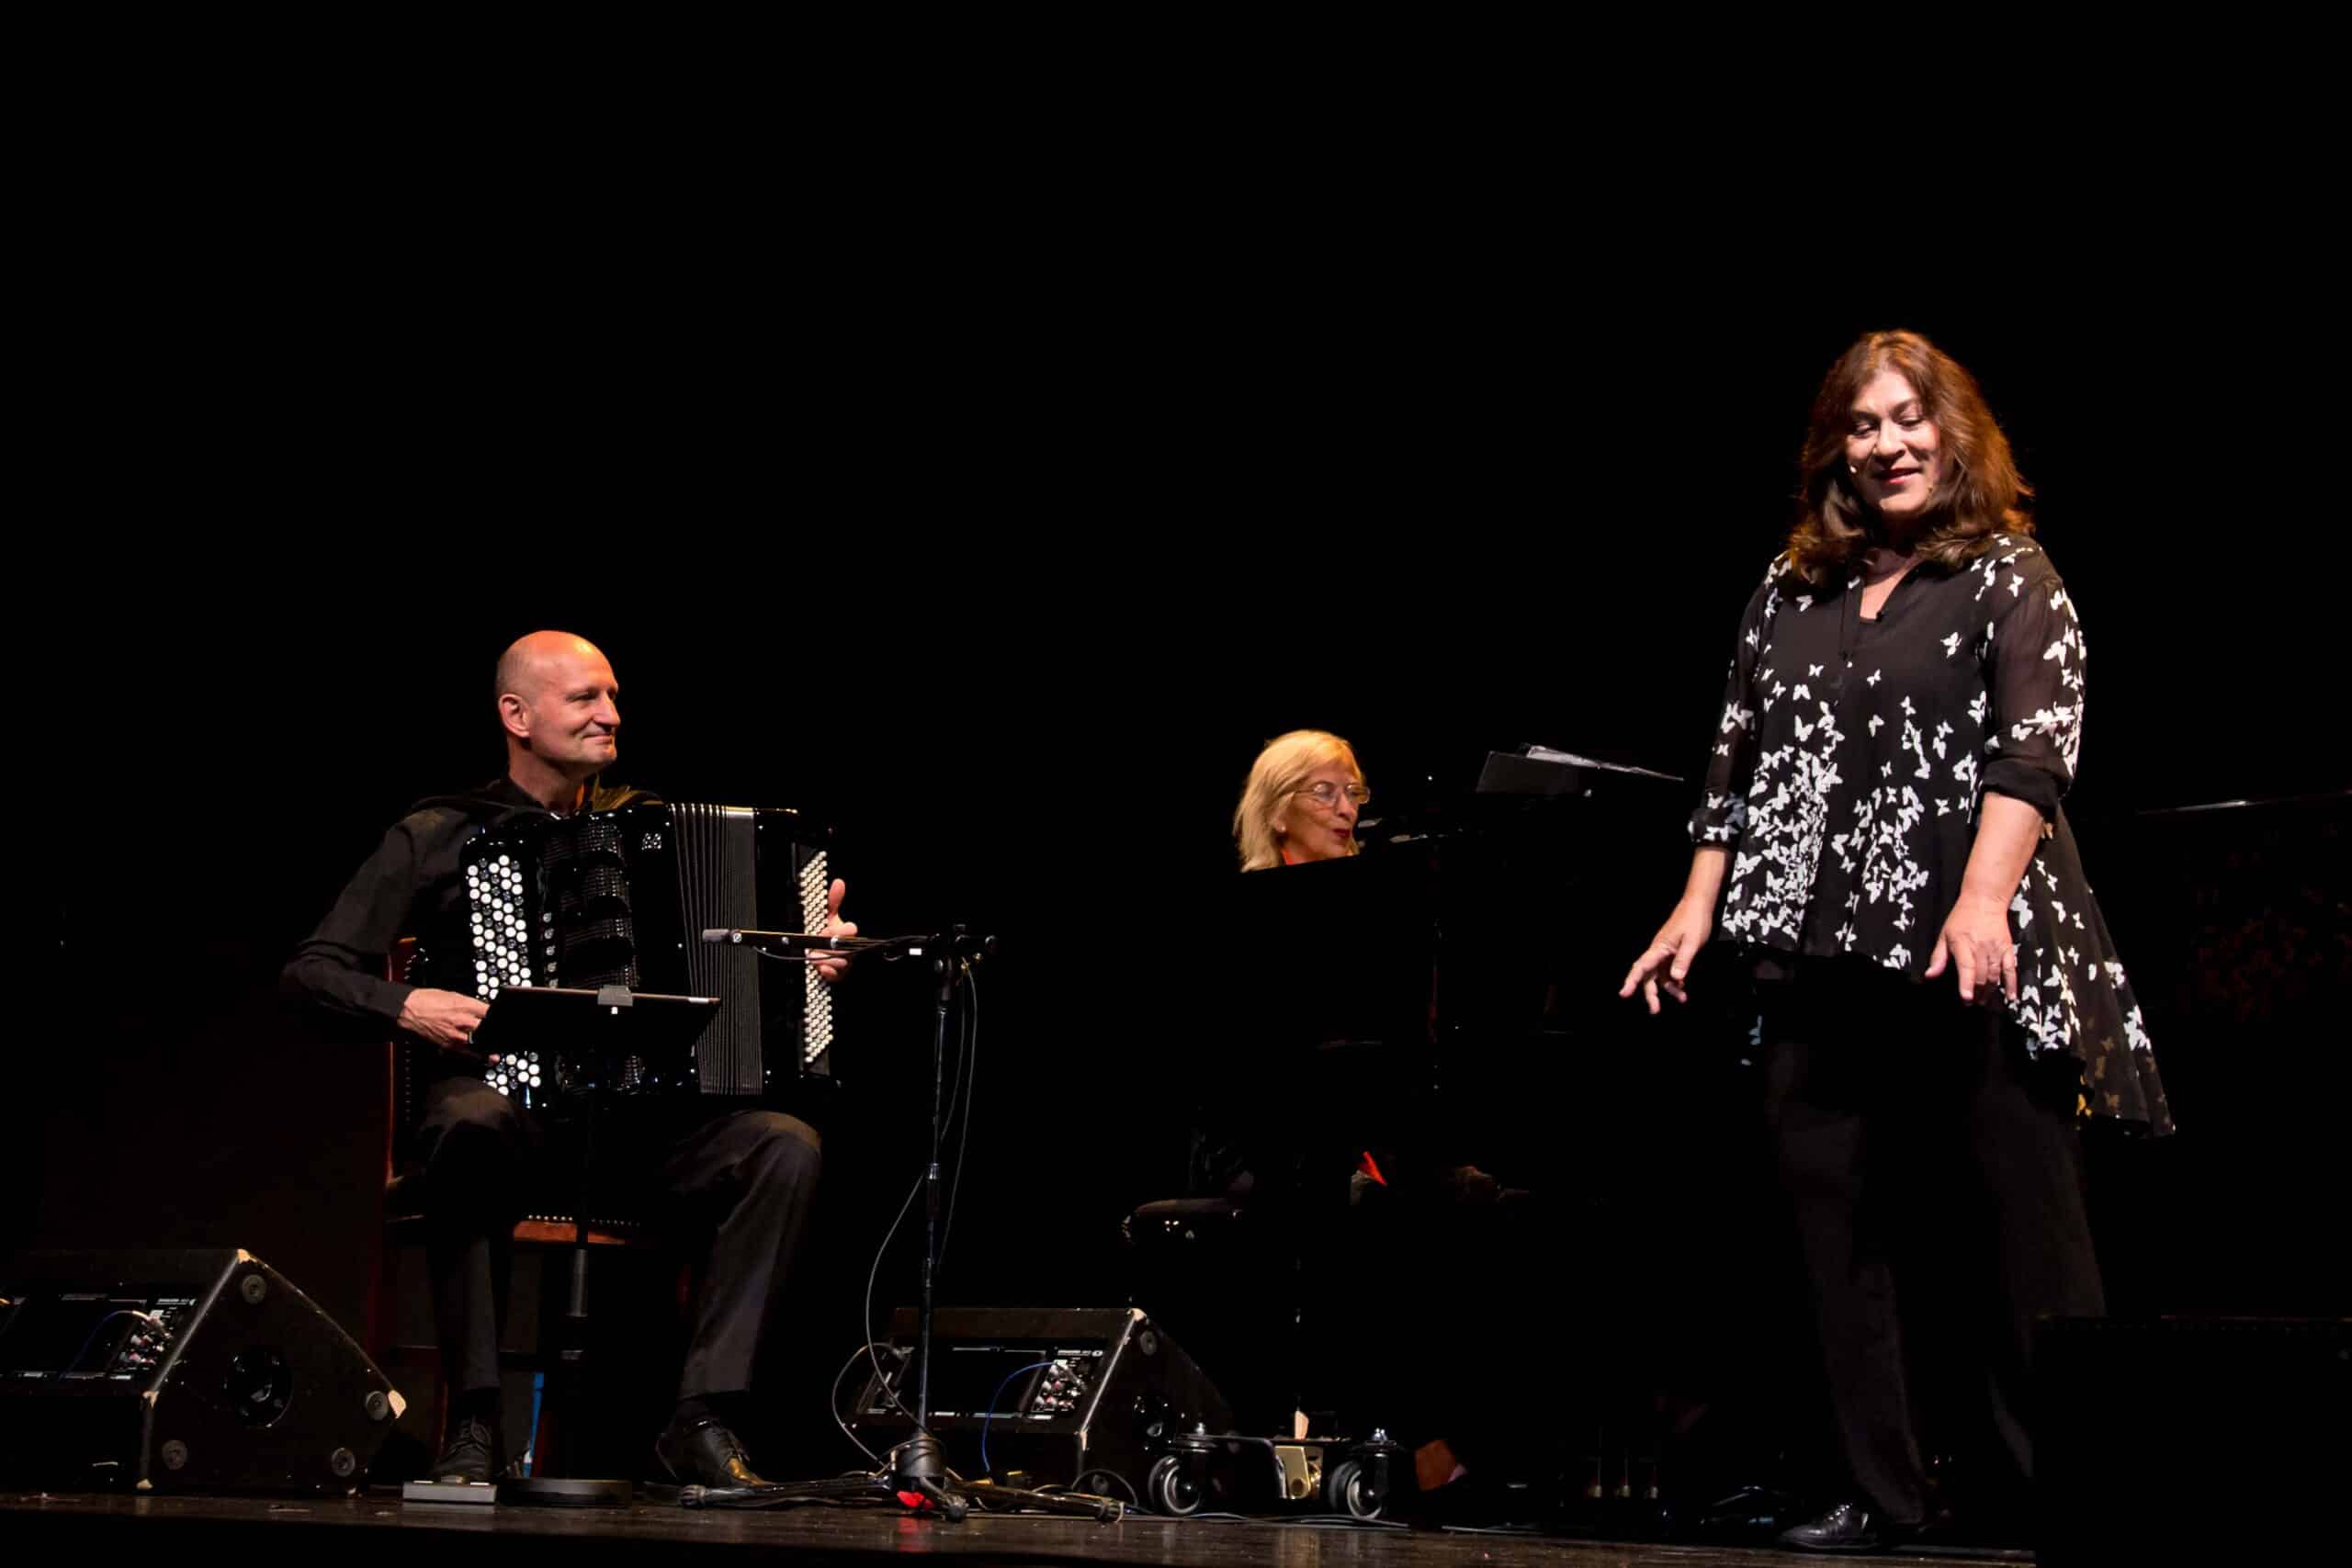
(784,944)
(793,944)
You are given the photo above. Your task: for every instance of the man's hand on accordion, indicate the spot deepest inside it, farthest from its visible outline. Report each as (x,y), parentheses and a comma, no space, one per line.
(833,966)
(446,1017)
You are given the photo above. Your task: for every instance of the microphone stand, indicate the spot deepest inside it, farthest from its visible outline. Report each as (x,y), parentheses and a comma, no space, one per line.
(915,1475)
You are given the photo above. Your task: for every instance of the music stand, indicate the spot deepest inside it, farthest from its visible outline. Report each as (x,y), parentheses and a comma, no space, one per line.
(591,1032)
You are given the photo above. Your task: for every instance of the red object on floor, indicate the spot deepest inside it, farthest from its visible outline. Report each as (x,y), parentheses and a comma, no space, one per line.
(1434,1465)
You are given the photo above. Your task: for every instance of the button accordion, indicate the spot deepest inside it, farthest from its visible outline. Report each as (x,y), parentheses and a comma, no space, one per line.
(621,897)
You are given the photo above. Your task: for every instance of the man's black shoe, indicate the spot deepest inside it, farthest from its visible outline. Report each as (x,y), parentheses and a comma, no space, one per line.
(703,1452)
(476,1451)
(1848,1527)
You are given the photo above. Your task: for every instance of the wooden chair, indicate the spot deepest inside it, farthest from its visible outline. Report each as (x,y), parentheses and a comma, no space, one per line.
(403,1230)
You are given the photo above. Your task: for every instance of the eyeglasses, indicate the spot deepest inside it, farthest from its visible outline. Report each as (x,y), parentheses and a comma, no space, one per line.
(1325,793)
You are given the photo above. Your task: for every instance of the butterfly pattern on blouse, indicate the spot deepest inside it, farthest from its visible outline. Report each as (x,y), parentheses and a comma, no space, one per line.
(1849,801)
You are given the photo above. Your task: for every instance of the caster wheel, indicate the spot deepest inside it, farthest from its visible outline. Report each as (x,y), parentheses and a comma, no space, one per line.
(1169,1490)
(1349,1489)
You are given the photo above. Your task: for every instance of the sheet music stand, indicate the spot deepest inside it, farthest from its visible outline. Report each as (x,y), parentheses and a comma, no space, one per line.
(591,1033)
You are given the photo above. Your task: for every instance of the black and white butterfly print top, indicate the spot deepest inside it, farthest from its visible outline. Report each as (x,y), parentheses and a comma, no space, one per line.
(1849,767)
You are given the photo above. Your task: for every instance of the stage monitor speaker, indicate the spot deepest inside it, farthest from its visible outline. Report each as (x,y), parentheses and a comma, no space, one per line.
(2221,1435)
(1061,1392)
(186,1370)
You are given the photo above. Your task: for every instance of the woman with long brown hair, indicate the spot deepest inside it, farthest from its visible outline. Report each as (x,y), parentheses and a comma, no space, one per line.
(1881,810)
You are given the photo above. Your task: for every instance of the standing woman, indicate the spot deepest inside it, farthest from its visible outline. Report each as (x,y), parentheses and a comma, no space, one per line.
(1880,835)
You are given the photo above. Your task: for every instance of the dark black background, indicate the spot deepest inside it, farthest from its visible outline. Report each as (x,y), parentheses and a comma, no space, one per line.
(1000,528)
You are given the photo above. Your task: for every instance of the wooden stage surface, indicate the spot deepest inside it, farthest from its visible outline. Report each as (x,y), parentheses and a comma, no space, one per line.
(382,1526)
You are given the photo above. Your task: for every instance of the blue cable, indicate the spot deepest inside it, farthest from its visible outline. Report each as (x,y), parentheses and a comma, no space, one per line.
(989,1413)
(531,1444)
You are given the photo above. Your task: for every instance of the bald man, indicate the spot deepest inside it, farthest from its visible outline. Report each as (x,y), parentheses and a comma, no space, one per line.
(738,1182)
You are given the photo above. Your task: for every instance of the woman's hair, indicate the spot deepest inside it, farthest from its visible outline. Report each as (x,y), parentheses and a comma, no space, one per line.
(1981,493)
(1277,773)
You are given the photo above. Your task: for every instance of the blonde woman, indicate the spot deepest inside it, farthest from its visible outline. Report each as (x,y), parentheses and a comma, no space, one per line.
(1301,802)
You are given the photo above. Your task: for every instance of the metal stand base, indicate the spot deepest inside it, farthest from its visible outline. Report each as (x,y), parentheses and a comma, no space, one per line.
(918,1480)
(554,1492)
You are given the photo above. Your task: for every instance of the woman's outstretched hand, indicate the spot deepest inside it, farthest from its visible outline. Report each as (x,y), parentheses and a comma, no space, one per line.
(1665,964)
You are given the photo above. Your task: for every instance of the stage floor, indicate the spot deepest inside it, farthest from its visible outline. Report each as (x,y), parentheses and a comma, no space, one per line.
(374,1526)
